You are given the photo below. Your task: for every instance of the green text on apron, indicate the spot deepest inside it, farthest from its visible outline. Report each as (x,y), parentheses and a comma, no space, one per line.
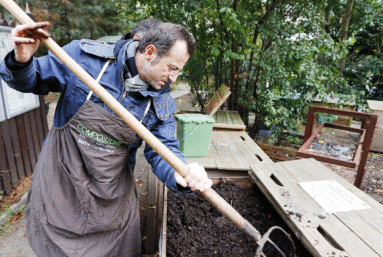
(82,201)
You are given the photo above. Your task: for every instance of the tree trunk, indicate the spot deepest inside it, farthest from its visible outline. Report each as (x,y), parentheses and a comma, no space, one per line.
(234,94)
(327,11)
(343,33)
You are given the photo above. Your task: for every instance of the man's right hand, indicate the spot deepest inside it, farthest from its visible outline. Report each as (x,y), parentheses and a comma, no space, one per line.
(26,39)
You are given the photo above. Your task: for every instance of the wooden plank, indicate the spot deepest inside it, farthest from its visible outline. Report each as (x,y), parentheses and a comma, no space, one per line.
(367,224)
(373,217)
(298,217)
(236,118)
(24,145)
(240,160)
(16,149)
(4,171)
(225,161)
(244,148)
(221,118)
(255,148)
(228,118)
(225,119)
(300,168)
(40,128)
(9,153)
(210,161)
(43,114)
(28,132)
(375,105)
(35,135)
(160,208)
(162,244)
(216,118)
(322,233)
(151,213)
(217,100)
(367,232)
(346,239)
(226,126)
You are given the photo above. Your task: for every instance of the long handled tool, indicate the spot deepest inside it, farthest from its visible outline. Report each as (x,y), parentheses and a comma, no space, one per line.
(225,208)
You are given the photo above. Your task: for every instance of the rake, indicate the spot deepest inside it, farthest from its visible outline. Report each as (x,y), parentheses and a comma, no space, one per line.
(224,207)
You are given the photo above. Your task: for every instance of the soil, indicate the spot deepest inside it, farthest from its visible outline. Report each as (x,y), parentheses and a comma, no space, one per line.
(196,228)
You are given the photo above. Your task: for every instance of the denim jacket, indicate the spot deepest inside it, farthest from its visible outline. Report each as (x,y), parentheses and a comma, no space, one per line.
(47,74)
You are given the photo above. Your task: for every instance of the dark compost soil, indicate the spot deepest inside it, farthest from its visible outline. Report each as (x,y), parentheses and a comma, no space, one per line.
(196,228)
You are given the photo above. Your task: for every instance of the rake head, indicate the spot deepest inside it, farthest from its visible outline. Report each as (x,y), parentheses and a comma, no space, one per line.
(266,238)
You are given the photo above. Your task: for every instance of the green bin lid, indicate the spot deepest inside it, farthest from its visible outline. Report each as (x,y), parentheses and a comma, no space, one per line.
(195,118)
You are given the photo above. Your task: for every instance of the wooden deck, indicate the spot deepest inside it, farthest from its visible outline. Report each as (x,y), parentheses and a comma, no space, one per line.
(228,120)
(231,150)
(352,233)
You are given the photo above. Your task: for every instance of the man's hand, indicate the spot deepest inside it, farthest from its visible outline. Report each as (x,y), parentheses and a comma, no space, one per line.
(196,178)
(26,39)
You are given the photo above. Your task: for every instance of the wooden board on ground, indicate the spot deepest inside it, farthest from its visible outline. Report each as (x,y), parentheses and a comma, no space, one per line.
(231,150)
(351,233)
(225,119)
(377,140)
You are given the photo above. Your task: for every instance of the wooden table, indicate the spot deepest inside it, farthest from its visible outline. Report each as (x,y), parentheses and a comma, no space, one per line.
(357,233)
(231,150)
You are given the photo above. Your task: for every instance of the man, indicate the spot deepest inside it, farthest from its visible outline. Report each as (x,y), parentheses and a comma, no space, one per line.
(82,201)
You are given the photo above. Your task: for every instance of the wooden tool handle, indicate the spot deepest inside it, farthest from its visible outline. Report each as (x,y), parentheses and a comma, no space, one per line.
(125,115)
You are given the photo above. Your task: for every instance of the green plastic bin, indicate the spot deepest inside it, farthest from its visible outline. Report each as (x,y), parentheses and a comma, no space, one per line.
(194,133)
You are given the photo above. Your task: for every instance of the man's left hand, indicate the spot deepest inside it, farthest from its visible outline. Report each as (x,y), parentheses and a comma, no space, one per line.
(196,178)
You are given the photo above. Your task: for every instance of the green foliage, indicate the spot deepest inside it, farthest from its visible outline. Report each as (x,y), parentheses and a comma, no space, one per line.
(282,47)
(364,67)
(77,19)
(287,50)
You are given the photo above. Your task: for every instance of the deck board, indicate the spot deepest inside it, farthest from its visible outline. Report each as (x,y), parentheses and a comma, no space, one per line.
(228,120)
(230,150)
(226,159)
(351,233)
(236,153)
(245,150)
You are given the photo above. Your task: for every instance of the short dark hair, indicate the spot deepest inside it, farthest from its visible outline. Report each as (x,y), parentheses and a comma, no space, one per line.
(164,36)
(144,26)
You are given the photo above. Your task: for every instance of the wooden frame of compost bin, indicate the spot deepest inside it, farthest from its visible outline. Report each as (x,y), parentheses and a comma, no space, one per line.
(368,124)
(239,181)
(302,152)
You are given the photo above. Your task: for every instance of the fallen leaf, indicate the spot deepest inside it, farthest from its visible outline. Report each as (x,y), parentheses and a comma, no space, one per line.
(16,217)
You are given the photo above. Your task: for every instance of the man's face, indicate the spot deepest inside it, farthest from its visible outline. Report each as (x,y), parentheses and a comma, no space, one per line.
(159,71)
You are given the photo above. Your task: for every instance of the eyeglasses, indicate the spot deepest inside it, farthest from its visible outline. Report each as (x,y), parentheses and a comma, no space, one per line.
(171,68)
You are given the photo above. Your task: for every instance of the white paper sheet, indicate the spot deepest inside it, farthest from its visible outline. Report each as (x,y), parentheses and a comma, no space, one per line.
(333,197)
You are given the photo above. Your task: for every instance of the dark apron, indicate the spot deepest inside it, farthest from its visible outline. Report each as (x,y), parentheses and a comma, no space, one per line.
(83,199)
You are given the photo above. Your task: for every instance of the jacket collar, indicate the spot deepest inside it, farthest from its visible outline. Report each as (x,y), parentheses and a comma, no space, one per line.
(120,53)
(117,51)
